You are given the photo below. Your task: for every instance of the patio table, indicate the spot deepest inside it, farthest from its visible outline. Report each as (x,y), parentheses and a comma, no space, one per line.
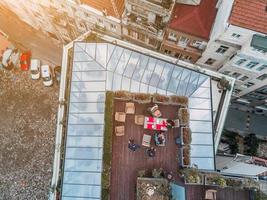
(154,123)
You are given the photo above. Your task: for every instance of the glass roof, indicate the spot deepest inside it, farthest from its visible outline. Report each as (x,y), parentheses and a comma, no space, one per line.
(98,67)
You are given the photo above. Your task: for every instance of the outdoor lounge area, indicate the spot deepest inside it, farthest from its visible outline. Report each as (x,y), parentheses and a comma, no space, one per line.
(126,163)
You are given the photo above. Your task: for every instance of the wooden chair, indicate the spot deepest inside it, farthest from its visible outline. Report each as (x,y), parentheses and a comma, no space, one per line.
(210,194)
(139,119)
(120,116)
(129,108)
(119,130)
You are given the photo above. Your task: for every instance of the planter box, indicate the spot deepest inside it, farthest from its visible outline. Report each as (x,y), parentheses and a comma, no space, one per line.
(182,158)
(179,101)
(142,98)
(193,183)
(182,135)
(123,95)
(213,183)
(165,99)
(181,117)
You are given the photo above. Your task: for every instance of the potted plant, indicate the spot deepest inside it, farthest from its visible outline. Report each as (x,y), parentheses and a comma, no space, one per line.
(249,183)
(224,84)
(192,176)
(142,98)
(183,115)
(160,99)
(122,95)
(179,100)
(186,135)
(185,156)
(235,183)
(157,173)
(217,180)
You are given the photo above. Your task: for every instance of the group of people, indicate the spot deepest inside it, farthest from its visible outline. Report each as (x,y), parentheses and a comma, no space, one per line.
(151,152)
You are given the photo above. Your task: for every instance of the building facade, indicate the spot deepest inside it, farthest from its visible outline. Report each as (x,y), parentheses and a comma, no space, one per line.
(238,45)
(144,21)
(188,31)
(66,20)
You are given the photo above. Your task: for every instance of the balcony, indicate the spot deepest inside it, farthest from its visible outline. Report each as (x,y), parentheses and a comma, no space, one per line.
(163,3)
(159,7)
(141,23)
(187,48)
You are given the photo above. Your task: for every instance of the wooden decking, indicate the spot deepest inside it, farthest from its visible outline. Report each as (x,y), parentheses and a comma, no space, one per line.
(125,164)
(197,192)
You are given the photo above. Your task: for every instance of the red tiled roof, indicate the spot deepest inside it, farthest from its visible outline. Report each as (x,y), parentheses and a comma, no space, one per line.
(114,8)
(250,14)
(194,20)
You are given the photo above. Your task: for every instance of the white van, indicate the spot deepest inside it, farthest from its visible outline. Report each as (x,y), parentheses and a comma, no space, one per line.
(35,69)
(46,74)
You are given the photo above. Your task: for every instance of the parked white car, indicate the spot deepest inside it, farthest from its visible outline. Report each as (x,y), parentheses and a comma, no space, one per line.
(35,69)
(46,74)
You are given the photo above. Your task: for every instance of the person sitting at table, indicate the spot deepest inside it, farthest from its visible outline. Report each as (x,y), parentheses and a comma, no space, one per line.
(132,146)
(160,138)
(151,152)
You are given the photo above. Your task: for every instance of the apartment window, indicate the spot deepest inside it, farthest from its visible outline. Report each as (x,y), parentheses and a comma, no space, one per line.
(186,57)
(113,27)
(222,49)
(177,55)
(243,78)
(235,35)
(236,74)
(172,36)
(258,50)
(240,61)
(262,77)
(152,42)
(166,51)
(226,72)
(183,41)
(251,64)
(262,67)
(237,91)
(248,84)
(100,22)
(210,61)
(196,43)
(141,37)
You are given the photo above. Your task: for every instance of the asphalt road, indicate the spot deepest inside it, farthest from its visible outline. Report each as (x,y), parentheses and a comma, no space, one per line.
(27,38)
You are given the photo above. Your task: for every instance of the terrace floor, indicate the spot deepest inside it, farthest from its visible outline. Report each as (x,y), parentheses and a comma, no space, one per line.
(197,192)
(126,164)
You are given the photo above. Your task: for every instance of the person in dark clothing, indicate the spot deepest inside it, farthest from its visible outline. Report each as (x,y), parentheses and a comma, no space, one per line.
(132,146)
(151,152)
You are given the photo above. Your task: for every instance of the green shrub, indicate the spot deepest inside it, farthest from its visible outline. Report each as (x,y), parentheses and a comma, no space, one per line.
(107,150)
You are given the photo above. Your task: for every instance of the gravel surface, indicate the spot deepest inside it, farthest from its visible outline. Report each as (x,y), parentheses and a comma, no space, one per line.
(27,133)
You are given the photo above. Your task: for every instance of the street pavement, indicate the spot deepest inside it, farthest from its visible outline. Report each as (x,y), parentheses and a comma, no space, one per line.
(237,120)
(27,38)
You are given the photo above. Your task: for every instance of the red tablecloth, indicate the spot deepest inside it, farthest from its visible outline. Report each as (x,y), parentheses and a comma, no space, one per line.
(153,123)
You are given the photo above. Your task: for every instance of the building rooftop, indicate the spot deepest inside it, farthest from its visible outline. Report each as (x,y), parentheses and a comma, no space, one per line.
(94,68)
(250,14)
(194,20)
(98,67)
(113,8)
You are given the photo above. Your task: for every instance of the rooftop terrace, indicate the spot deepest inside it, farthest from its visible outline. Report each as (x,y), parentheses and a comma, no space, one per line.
(98,67)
